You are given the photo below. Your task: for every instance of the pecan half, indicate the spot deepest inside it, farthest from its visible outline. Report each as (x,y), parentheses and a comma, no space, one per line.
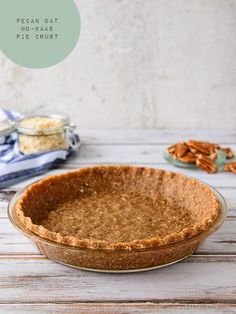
(193,150)
(211,146)
(181,149)
(231,167)
(172,149)
(200,147)
(228,152)
(206,164)
(189,157)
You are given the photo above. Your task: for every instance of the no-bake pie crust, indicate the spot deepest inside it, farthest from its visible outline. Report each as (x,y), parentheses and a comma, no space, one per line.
(117,208)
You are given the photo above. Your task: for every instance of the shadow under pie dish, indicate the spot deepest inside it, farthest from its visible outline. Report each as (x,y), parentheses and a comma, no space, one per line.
(117,218)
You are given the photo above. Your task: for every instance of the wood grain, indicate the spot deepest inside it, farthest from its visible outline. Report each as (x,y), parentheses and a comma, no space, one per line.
(120,153)
(124,308)
(155,136)
(186,281)
(48,281)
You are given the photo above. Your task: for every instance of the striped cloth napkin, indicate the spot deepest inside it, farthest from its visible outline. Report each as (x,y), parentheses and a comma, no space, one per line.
(16,167)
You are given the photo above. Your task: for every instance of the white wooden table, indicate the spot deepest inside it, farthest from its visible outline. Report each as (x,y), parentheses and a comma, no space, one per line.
(203,283)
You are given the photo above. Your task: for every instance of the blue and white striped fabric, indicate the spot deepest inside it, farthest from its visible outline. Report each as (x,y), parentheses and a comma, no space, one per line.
(16,167)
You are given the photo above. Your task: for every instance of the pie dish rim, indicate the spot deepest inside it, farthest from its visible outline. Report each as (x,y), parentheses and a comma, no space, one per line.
(211,228)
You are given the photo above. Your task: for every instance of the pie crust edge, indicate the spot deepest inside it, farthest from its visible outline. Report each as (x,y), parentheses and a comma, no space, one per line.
(175,237)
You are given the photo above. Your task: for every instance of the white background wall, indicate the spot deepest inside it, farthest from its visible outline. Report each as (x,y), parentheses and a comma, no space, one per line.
(139,64)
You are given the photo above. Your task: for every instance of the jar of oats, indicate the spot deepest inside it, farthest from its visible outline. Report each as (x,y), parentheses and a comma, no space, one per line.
(45,132)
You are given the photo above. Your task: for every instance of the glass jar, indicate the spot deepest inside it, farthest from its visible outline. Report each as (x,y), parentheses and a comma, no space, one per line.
(42,132)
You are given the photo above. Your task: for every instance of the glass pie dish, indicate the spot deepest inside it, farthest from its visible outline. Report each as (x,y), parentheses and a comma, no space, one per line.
(119,260)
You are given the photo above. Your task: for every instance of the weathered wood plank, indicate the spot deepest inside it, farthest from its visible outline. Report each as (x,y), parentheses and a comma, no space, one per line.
(154,136)
(120,153)
(221,242)
(117,308)
(50,282)
(3,209)
(5,197)
(12,241)
(230,197)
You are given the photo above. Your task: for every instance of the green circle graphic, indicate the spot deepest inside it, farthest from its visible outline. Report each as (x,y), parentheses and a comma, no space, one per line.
(38,33)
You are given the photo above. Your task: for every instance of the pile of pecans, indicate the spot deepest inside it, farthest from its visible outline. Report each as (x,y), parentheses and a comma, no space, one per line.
(202,154)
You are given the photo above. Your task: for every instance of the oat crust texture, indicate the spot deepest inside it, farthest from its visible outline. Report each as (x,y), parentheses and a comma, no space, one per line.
(118,208)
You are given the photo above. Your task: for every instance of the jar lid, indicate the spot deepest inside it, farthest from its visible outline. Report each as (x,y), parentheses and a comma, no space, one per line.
(42,123)
(6,127)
